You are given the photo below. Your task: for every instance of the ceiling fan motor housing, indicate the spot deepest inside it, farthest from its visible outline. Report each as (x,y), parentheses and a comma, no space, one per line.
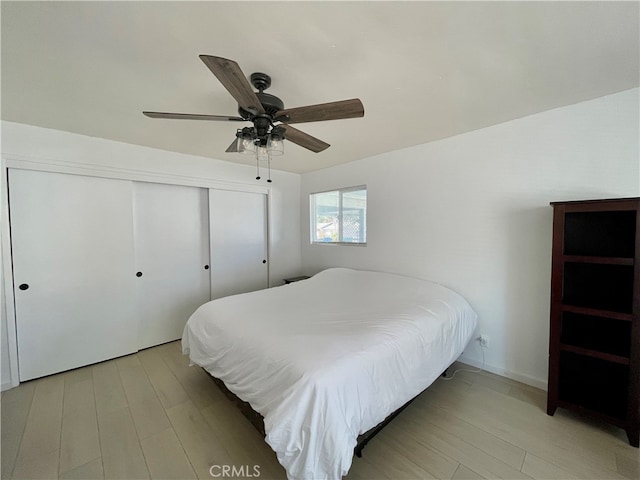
(270,103)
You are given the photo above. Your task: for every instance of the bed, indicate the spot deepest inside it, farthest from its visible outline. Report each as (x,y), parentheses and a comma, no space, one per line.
(326,359)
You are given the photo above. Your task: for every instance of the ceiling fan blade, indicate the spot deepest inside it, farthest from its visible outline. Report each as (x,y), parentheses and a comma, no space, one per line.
(192,116)
(304,139)
(233,148)
(324,111)
(232,78)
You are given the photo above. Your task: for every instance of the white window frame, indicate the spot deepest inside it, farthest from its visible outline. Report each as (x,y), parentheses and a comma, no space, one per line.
(312,216)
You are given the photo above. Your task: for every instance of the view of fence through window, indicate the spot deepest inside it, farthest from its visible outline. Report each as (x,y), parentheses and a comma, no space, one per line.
(339,216)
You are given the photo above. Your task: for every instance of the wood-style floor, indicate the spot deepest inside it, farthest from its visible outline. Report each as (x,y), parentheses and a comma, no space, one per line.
(150,415)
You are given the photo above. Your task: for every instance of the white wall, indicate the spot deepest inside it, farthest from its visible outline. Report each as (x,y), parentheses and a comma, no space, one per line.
(472,212)
(35,147)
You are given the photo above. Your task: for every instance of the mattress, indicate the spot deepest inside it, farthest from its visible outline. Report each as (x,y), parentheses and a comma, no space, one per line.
(326,359)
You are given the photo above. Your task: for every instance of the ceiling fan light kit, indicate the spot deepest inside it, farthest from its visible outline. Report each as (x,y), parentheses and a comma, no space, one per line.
(271,121)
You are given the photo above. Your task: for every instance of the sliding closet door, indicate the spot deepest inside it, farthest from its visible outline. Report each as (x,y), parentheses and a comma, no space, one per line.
(72,246)
(171,231)
(238,242)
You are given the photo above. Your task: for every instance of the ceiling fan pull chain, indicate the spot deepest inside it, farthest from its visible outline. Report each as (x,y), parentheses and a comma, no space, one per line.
(269,168)
(257,168)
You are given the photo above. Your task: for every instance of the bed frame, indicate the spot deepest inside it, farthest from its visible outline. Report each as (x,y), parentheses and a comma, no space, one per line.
(258,421)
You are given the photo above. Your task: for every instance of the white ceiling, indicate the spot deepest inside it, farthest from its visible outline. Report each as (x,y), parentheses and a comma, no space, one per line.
(424,70)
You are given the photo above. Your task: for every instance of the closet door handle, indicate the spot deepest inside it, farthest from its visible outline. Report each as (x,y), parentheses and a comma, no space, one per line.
(264,261)
(24,286)
(206,267)
(139,274)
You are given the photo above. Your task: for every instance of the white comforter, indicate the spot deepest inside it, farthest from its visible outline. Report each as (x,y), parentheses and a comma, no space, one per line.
(326,359)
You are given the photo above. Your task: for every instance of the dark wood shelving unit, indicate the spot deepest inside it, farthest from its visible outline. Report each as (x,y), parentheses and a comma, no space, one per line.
(594,348)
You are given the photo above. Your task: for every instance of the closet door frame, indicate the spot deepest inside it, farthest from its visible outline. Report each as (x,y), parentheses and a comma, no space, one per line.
(9,161)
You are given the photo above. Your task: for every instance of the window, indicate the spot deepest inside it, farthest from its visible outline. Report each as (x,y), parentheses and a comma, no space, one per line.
(339,216)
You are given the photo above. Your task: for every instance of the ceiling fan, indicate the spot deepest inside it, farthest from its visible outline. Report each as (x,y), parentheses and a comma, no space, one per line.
(271,120)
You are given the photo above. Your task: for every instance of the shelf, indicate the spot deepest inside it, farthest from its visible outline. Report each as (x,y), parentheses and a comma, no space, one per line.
(599,286)
(599,260)
(603,337)
(597,312)
(607,357)
(594,384)
(602,234)
(588,412)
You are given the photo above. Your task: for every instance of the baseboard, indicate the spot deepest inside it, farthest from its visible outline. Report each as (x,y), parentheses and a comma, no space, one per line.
(6,386)
(518,377)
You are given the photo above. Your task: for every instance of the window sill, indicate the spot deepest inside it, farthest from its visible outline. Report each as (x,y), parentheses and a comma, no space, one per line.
(340,244)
